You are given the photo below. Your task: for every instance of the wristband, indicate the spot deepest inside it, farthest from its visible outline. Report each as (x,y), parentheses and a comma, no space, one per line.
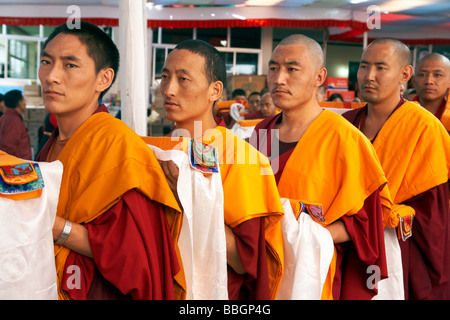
(65,233)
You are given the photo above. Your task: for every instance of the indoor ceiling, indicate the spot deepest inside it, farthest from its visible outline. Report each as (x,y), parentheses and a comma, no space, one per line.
(409,7)
(405,19)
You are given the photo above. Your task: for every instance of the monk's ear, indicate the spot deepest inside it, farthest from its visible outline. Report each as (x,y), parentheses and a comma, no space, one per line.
(406,73)
(105,79)
(216,90)
(320,77)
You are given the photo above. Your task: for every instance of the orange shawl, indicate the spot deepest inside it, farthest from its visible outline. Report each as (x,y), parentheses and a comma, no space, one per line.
(249,189)
(334,166)
(411,166)
(102,160)
(445,118)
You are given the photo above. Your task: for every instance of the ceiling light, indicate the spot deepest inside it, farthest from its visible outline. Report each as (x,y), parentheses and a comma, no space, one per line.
(237,16)
(396,6)
(357,1)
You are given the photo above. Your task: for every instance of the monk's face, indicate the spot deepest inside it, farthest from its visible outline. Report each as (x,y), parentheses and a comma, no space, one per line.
(432,79)
(268,109)
(253,103)
(188,96)
(293,76)
(68,76)
(379,74)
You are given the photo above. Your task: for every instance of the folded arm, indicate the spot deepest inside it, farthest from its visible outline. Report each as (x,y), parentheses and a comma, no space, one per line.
(78,239)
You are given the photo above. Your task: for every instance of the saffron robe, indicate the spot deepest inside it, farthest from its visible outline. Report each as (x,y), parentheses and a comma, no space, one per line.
(333,166)
(443,112)
(252,208)
(201,241)
(417,169)
(113,184)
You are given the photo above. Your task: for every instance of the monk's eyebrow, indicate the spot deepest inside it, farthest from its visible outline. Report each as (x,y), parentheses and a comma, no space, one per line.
(46,54)
(67,57)
(182,71)
(70,58)
(293,63)
(381,63)
(271,62)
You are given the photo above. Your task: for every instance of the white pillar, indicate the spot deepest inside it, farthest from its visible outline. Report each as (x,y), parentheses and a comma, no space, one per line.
(365,40)
(266,50)
(134,89)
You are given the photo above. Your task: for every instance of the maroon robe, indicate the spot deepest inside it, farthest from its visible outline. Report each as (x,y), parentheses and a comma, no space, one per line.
(225,115)
(14,138)
(425,255)
(365,228)
(253,115)
(251,246)
(219,121)
(133,252)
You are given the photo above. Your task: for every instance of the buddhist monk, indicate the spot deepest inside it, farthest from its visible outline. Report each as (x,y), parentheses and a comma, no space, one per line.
(414,151)
(112,237)
(432,82)
(268,109)
(14,137)
(192,80)
(254,111)
(321,161)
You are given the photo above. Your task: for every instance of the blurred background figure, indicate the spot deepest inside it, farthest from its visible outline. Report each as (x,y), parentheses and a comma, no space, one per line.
(336,97)
(45,131)
(321,94)
(409,94)
(254,100)
(268,109)
(14,138)
(238,95)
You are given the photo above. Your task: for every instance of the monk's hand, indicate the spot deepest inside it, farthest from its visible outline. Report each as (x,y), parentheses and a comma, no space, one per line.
(58,227)
(338,232)
(233,258)
(78,239)
(171,172)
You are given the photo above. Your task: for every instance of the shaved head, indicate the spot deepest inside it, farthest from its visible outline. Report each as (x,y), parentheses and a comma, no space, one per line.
(432,80)
(435,57)
(401,50)
(314,48)
(295,72)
